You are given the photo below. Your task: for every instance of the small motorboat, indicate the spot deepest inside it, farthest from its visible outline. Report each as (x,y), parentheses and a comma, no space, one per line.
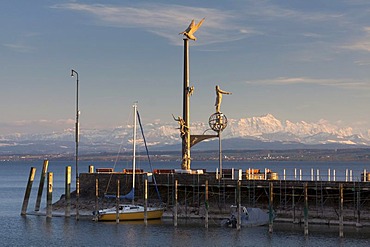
(249,217)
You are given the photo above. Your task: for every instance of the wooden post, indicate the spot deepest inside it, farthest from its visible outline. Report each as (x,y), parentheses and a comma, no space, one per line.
(305,210)
(146,201)
(341,211)
(271,213)
(293,204)
(175,209)
(96,196)
(239,219)
(117,203)
(206,204)
(77,198)
(49,196)
(41,185)
(68,191)
(27,194)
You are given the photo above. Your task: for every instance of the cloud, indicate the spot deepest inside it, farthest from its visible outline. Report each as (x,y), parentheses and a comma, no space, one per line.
(363,44)
(167,20)
(35,126)
(340,83)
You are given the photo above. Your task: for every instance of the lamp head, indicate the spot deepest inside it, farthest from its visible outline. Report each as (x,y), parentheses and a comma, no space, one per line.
(73,72)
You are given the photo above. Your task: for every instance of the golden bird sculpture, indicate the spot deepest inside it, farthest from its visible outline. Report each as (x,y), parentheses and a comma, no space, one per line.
(189,32)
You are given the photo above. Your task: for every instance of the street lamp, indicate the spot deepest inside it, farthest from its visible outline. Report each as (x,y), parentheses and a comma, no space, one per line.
(77,129)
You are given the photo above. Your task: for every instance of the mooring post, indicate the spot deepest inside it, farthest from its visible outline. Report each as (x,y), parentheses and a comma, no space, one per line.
(96,196)
(67,195)
(27,194)
(175,209)
(117,202)
(358,223)
(41,185)
(239,219)
(146,201)
(305,209)
(293,204)
(341,211)
(49,196)
(91,169)
(271,213)
(206,205)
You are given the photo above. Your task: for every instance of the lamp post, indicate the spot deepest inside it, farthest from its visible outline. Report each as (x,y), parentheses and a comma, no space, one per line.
(77,129)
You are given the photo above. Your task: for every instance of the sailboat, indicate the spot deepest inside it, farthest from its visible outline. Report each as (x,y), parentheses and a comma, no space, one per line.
(130,211)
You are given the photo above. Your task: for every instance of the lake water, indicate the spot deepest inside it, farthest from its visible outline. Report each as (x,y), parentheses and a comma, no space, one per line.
(59,231)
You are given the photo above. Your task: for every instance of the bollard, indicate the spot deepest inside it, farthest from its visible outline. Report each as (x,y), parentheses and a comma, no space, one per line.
(49,196)
(91,169)
(334,175)
(365,175)
(68,191)
(312,174)
(41,185)
(27,194)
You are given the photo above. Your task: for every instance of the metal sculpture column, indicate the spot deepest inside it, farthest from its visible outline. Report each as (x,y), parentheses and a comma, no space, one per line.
(218,122)
(187,91)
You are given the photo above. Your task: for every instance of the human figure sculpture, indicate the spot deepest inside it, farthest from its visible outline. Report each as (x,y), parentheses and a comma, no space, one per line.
(182,124)
(219,94)
(189,32)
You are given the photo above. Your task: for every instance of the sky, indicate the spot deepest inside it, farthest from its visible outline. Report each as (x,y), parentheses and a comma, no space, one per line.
(298,60)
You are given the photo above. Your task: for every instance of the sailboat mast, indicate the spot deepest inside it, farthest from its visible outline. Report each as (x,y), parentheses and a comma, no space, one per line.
(134,149)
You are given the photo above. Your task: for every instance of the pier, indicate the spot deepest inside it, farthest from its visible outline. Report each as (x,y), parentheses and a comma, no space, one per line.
(325,202)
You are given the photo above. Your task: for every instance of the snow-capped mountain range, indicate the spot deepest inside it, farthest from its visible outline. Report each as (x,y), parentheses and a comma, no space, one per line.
(245,133)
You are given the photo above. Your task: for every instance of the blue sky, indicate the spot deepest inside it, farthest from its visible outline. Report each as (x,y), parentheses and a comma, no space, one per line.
(298,60)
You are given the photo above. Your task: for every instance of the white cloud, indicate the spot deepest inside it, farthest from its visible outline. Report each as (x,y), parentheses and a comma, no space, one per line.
(340,83)
(167,20)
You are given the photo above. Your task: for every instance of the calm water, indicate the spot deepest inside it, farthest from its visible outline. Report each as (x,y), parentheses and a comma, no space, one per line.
(58,231)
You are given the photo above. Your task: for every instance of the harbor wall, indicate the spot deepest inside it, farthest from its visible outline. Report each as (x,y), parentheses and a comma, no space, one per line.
(288,196)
